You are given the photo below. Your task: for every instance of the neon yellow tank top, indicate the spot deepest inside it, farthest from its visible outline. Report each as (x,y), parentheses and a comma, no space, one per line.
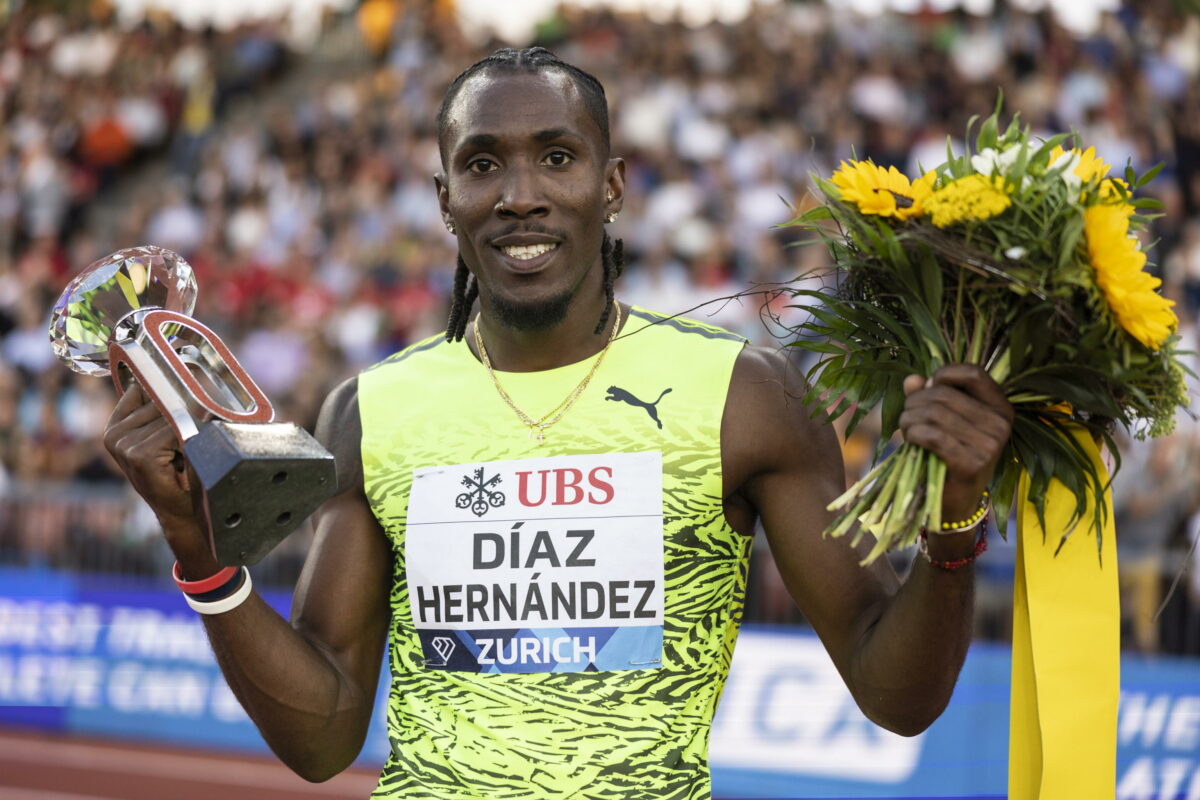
(564,612)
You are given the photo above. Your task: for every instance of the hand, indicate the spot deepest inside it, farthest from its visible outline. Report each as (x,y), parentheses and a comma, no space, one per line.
(961,416)
(146,449)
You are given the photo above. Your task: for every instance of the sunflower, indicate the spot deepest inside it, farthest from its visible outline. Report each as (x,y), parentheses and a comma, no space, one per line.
(1129,290)
(973,197)
(882,192)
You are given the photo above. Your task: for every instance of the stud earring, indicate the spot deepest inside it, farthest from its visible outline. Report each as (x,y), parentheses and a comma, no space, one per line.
(609,197)
(450,226)
(611,217)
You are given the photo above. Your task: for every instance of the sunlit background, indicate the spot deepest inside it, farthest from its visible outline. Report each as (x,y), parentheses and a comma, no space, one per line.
(286,149)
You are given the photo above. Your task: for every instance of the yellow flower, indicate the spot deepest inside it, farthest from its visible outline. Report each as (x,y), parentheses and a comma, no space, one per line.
(1089,164)
(1129,290)
(1087,167)
(971,197)
(882,192)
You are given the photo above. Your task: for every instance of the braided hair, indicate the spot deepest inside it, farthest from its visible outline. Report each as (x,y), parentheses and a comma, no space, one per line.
(533,59)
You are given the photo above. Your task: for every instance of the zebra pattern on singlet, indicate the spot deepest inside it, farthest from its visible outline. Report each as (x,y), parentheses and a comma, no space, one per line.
(588,734)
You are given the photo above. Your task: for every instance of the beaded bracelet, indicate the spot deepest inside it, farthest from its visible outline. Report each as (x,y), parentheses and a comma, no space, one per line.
(950,566)
(971,521)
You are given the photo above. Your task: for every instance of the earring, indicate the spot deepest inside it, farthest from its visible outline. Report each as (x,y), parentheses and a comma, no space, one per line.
(450,226)
(611,217)
(609,197)
(500,207)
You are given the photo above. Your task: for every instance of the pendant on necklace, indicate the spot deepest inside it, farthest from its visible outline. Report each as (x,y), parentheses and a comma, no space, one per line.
(540,434)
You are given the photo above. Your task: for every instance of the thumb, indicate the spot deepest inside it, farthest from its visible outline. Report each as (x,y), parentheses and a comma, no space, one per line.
(914,383)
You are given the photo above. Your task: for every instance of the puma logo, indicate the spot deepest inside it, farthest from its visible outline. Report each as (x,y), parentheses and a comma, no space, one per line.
(620,395)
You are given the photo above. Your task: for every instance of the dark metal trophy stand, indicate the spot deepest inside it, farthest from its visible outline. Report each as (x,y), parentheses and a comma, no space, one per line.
(126,316)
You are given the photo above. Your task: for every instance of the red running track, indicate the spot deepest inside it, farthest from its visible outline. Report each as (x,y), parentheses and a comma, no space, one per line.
(36,766)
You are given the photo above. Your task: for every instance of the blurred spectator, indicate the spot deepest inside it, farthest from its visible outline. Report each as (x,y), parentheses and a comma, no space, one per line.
(310,217)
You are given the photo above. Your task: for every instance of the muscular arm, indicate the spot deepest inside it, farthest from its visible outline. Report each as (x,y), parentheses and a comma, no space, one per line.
(898,646)
(309,684)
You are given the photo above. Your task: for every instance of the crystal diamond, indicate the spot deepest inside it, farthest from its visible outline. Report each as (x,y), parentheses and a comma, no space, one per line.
(92,304)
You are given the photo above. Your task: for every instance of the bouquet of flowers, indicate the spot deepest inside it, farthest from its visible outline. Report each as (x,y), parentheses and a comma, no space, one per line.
(1020,257)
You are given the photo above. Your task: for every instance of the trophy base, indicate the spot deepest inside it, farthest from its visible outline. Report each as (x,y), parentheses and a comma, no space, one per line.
(260,482)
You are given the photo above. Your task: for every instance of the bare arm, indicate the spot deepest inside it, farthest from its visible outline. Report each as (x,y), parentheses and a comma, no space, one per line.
(898,646)
(310,684)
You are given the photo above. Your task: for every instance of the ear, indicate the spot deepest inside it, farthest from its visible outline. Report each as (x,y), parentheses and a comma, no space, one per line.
(614,180)
(443,196)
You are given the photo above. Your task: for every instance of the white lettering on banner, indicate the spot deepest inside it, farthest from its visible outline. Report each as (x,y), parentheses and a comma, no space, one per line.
(1164,720)
(57,627)
(786,709)
(51,680)
(1148,778)
(538,545)
(149,633)
(134,687)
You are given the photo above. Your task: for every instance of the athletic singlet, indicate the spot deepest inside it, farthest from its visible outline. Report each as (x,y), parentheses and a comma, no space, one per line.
(563,613)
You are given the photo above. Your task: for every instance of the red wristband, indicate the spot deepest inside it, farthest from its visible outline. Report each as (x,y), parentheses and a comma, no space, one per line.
(207,585)
(950,566)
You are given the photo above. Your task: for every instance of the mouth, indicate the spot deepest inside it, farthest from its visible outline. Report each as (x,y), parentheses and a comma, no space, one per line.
(528,257)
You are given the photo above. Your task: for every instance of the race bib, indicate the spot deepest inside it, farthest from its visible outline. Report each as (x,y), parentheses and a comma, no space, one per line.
(538,565)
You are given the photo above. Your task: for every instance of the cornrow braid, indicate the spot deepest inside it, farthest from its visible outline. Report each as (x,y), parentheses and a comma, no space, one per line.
(612,257)
(460,308)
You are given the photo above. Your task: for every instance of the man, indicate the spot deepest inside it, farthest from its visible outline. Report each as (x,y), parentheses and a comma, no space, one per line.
(556,520)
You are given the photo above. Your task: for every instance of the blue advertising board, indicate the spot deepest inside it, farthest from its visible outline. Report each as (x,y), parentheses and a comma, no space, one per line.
(87,655)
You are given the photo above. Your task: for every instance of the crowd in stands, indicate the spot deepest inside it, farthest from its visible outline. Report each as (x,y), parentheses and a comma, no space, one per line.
(310,217)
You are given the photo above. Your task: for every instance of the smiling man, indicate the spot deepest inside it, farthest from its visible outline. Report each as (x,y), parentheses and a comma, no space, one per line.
(548,510)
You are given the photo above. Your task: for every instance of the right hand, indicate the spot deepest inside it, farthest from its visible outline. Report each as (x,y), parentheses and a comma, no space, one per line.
(146,449)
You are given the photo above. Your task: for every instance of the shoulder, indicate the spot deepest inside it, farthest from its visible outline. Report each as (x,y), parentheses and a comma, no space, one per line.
(767,425)
(414,353)
(339,430)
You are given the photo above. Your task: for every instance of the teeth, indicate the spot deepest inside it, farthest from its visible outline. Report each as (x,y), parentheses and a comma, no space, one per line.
(525,252)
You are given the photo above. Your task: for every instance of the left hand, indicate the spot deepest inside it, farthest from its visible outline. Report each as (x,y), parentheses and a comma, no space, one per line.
(961,416)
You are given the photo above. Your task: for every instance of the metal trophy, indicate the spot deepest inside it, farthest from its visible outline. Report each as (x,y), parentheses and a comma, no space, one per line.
(128,315)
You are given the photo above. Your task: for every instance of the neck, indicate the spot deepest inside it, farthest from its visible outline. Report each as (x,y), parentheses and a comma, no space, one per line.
(569,341)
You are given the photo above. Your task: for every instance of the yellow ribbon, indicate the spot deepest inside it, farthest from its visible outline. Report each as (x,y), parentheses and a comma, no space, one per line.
(1066,652)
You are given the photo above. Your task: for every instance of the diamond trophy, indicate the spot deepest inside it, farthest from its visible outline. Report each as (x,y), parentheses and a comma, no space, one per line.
(127,315)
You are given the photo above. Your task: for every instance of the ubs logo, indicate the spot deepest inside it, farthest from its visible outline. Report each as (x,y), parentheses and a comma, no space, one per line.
(480,494)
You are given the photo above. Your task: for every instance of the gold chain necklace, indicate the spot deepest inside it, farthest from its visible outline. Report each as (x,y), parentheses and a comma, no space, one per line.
(538,426)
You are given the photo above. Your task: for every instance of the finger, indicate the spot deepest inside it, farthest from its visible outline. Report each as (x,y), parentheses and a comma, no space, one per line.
(155,440)
(960,410)
(973,380)
(961,458)
(135,420)
(962,427)
(914,383)
(133,397)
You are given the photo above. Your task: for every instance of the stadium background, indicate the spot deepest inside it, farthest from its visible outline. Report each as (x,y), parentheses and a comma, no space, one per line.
(288,157)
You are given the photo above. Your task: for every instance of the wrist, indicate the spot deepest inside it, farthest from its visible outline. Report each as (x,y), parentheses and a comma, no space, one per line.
(190,545)
(952,551)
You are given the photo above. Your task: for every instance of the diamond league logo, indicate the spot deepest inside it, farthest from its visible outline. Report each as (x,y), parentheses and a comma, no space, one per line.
(481,494)
(444,647)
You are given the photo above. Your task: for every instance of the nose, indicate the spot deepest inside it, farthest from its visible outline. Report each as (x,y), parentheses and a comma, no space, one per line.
(521,197)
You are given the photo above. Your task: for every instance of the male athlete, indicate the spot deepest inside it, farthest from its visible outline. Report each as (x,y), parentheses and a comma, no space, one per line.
(549,509)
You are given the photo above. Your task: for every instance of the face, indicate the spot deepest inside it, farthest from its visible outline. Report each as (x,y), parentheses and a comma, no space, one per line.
(525,184)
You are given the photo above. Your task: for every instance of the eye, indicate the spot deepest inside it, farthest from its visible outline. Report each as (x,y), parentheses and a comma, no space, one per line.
(481,165)
(558,158)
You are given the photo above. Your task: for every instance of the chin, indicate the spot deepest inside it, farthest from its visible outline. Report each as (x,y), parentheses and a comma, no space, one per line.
(531,314)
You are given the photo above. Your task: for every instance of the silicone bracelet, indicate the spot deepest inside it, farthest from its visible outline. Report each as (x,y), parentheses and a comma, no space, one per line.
(206,585)
(227,604)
